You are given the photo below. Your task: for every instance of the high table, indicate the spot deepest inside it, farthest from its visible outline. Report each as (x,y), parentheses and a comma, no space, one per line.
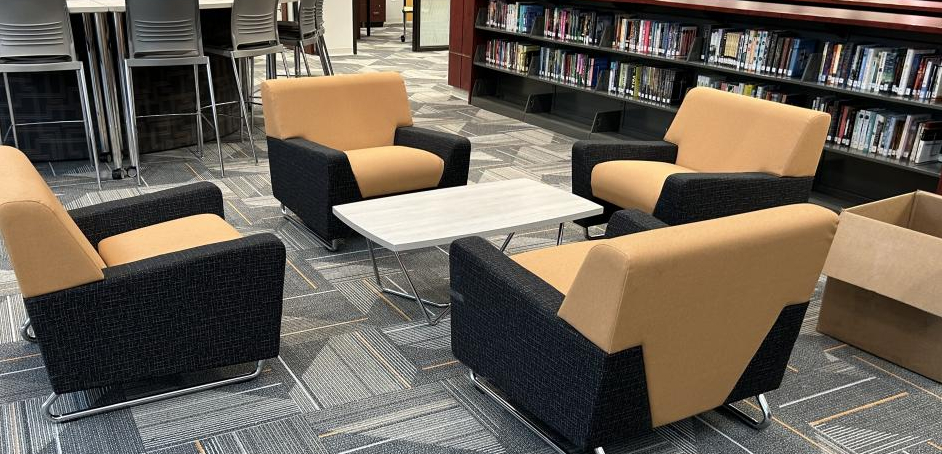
(109,95)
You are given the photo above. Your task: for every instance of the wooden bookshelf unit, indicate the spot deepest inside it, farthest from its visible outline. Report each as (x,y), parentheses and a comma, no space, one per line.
(847,174)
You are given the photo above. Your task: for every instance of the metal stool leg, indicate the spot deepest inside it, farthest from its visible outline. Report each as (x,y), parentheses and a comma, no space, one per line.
(307,68)
(297,61)
(87,120)
(245,113)
(403,37)
(284,61)
(212,103)
(199,111)
(25,331)
(132,122)
(6,86)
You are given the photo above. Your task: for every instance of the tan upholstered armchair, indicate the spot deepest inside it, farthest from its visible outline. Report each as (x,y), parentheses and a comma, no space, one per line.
(723,154)
(603,340)
(341,139)
(138,288)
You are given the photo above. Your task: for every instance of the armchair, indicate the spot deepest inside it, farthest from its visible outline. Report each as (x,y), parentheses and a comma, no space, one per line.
(602,340)
(171,288)
(724,154)
(342,139)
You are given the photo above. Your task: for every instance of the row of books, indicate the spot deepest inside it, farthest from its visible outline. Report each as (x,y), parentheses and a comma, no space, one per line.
(769,92)
(512,55)
(514,17)
(667,39)
(571,68)
(907,72)
(661,85)
(915,138)
(773,52)
(575,25)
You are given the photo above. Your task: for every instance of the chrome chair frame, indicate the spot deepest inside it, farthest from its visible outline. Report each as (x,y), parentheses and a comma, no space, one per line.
(50,414)
(62,46)
(238,55)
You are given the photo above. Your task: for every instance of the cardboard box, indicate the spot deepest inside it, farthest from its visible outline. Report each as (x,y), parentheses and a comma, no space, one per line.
(884,288)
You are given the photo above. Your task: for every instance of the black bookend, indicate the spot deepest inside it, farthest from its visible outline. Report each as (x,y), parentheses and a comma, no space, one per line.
(812,68)
(539,103)
(602,84)
(608,121)
(607,38)
(695,50)
(536,29)
(481,19)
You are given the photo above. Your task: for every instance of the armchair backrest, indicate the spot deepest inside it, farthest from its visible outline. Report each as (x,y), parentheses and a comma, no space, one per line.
(48,251)
(699,298)
(717,131)
(343,112)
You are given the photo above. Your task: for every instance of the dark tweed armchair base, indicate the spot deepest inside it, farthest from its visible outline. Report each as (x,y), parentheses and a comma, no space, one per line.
(563,387)
(194,310)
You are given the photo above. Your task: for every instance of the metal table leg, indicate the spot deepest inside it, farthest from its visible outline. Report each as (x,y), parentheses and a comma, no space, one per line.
(559,235)
(94,75)
(121,45)
(430,316)
(109,91)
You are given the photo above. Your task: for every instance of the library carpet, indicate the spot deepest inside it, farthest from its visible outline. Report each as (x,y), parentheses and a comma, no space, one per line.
(360,373)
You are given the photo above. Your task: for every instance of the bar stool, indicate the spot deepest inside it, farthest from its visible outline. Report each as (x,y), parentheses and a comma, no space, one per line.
(308,29)
(36,36)
(161,34)
(254,32)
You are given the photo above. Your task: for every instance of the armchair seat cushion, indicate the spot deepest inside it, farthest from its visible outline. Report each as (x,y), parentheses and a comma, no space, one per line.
(557,266)
(389,170)
(632,184)
(165,237)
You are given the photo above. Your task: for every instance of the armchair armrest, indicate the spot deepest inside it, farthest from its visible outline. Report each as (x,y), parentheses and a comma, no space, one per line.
(691,197)
(107,219)
(453,149)
(587,154)
(310,178)
(626,222)
(505,328)
(197,309)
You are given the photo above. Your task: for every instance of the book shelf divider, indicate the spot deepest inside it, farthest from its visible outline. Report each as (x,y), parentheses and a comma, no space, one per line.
(539,103)
(606,121)
(812,68)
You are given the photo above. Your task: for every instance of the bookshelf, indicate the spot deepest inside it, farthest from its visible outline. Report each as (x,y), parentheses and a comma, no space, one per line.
(593,112)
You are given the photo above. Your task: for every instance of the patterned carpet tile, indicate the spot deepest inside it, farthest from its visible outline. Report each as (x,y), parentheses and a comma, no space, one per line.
(359,372)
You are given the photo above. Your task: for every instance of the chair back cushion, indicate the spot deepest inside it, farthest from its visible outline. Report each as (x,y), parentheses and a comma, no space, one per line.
(48,251)
(717,131)
(699,298)
(343,112)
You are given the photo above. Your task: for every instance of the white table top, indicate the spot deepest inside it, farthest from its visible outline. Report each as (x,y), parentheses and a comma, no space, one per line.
(101,6)
(436,217)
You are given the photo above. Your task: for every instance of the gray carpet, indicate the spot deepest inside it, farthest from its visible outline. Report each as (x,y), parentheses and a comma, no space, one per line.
(359,373)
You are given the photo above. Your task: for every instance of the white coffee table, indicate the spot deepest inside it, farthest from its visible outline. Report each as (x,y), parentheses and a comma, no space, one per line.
(433,218)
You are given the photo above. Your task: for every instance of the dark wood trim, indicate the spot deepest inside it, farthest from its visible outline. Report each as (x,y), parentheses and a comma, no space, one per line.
(893,21)
(909,6)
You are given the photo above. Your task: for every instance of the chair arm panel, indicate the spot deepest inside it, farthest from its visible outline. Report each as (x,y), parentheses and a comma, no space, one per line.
(626,222)
(197,309)
(504,326)
(453,149)
(586,154)
(691,197)
(107,219)
(310,178)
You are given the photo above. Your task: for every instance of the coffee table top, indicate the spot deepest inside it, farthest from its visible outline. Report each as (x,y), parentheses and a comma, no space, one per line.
(440,216)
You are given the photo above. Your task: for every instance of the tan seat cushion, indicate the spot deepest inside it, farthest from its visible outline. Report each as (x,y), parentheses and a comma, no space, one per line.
(343,112)
(393,170)
(557,266)
(48,251)
(717,131)
(166,237)
(632,184)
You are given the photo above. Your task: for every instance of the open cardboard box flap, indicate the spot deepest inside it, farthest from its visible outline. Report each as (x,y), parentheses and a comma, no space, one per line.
(892,247)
